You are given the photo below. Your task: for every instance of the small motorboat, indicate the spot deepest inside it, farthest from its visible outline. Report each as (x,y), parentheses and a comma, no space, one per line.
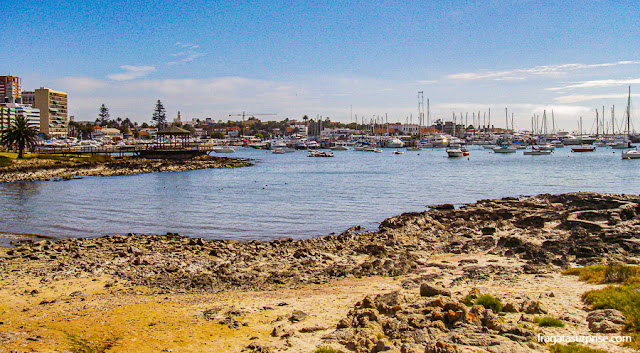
(398,152)
(223,150)
(455,152)
(504,149)
(316,153)
(583,148)
(537,152)
(631,154)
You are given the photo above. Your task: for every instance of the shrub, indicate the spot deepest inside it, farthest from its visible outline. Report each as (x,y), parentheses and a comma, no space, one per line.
(624,298)
(489,302)
(606,274)
(548,321)
(327,350)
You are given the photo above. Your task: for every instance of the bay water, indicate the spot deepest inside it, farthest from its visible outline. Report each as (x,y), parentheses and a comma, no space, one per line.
(291,195)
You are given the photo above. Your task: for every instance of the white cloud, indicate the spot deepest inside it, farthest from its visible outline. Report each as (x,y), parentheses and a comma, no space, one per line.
(587,97)
(86,84)
(539,71)
(598,84)
(188,54)
(132,72)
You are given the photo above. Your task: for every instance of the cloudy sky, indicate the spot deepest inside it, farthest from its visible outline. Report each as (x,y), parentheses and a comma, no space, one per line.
(329,58)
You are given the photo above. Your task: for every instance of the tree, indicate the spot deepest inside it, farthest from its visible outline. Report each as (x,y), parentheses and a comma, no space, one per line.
(103,116)
(217,135)
(19,135)
(159,114)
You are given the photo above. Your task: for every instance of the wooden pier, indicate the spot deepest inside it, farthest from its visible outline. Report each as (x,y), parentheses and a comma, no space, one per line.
(154,151)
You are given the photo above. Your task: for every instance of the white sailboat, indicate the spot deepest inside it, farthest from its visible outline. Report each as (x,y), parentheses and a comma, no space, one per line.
(630,154)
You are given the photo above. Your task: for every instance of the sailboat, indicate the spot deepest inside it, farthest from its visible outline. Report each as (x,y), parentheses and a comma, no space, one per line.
(630,154)
(417,146)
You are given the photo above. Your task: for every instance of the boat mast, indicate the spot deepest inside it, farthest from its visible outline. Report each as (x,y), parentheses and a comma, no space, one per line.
(629,114)
(506,118)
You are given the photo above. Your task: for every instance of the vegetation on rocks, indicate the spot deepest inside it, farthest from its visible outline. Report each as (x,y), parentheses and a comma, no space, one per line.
(548,321)
(46,167)
(489,302)
(622,293)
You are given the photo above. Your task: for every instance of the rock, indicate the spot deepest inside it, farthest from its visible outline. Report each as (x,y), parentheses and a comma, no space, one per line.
(382,345)
(606,321)
(440,347)
(429,290)
(311,329)
(488,230)
(282,331)
(297,316)
(510,308)
(442,207)
(253,347)
(532,307)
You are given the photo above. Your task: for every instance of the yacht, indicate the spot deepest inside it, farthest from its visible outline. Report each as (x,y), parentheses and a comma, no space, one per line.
(395,143)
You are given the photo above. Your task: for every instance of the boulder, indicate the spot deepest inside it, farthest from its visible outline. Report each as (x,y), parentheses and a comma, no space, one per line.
(430,290)
(606,321)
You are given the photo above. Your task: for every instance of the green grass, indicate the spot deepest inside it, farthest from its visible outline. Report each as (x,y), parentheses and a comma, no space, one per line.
(622,293)
(573,348)
(624,298)
(5,161)
(606,274)
(489,302)
(548,321)
(327,350)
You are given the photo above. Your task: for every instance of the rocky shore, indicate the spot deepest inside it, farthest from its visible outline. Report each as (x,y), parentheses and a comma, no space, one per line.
(34,169)
(513,248)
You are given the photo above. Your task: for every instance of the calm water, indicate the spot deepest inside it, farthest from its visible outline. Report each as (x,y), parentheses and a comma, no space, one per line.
(293,195)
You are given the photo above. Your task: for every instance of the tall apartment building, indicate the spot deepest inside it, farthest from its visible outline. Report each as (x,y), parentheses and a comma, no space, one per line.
(9,89)
(53,110)
(8,112)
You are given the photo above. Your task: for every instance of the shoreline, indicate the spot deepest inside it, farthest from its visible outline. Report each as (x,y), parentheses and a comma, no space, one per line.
(231,291)
(45,169)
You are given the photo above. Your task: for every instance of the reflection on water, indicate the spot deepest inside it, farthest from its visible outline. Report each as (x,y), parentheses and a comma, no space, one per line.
(292,195)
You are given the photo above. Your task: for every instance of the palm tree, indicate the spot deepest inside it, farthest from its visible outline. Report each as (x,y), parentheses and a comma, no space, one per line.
(20,135)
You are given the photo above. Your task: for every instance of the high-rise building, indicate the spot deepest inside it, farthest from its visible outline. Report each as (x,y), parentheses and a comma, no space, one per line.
(8,112)
(9,89)
(53,110)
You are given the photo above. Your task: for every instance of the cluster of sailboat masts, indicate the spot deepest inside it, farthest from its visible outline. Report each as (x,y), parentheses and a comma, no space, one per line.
(541,124)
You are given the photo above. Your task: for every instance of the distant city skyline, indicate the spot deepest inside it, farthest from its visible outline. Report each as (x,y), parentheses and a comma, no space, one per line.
(328,58)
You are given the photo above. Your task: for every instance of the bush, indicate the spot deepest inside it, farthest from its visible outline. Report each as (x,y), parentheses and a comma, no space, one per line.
(489,302)
(327,350)
(548,321)
(624,298)
(606,274)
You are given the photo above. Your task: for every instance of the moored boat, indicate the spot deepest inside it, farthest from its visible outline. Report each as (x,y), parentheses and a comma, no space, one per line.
(583,148)
(504,149)
(631,154)
(223,150)
(455,152)
(316,153)
(537,152)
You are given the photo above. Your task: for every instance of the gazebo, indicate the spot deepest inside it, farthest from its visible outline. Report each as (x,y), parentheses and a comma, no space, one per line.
(176,148)
(177,136)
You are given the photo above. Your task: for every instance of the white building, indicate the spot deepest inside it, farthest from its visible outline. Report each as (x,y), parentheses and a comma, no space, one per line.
(8,112)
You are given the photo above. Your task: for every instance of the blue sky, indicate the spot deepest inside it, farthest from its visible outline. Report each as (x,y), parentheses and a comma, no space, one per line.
(212,59)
